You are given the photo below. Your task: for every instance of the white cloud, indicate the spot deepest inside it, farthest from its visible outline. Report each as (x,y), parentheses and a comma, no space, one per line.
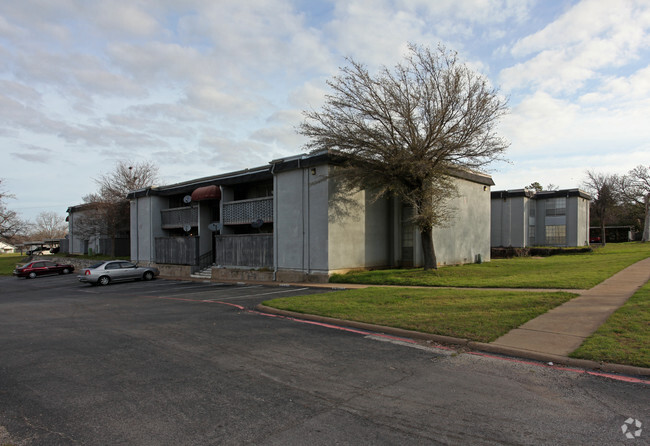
(620,91)
(120,17)
(33,153)
(539,121)
(570,51)
(204,87)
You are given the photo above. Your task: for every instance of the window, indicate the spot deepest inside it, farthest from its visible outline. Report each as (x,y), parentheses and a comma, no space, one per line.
(555,206)
(556,235)
(407,236)
(532,221)
(531,234)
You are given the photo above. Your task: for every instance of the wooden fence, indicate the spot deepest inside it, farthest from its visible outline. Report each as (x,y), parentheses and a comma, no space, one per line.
(118,247)
(249,250)
(177,250)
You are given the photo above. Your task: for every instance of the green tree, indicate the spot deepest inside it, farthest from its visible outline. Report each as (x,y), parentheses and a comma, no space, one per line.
(535,186)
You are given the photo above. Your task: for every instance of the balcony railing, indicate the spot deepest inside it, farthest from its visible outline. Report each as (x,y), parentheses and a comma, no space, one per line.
(248,211)
(179,217)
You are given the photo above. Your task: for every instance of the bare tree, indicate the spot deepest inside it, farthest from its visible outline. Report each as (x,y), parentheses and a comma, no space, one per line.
(127,176)
(604,192)
(403,132)
(10,222)
(108,208)
(635,186)
(49,225)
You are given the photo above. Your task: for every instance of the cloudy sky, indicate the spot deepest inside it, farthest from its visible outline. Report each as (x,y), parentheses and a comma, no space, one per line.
(209,86)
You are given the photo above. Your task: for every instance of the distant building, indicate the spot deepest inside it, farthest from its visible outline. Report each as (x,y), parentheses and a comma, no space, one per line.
(91,230)
(6,248)
(523,218)
(282,222)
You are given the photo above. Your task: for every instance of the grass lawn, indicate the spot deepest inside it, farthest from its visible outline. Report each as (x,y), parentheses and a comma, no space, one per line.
(479,315)
(574,271)
(8,263)
(625,337)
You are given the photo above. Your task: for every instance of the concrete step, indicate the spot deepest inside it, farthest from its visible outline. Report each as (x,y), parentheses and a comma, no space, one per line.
(205,273)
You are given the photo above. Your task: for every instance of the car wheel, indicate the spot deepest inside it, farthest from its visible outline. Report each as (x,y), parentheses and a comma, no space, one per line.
(104,280)
(32,275)
(147,275)
(66,271)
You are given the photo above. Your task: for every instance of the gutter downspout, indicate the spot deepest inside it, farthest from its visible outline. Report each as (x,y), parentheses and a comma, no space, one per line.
(275,222)
(152,246)
(137,230)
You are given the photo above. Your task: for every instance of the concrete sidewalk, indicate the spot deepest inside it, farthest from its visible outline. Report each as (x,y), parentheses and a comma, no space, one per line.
(563,329)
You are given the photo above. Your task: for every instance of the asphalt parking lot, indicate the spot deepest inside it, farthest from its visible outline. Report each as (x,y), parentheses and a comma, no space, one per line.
(190,363)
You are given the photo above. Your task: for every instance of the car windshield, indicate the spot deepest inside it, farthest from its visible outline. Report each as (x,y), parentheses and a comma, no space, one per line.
(96,265)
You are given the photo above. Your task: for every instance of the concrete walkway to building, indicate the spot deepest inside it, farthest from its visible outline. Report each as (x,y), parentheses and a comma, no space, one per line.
(563,329)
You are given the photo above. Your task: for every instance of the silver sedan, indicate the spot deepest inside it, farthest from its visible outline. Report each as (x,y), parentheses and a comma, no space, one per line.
(103,273)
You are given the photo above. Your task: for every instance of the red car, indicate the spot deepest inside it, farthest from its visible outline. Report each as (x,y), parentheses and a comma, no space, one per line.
(41,268)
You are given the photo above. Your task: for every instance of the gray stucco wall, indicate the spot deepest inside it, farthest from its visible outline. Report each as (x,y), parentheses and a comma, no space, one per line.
(358,236)
(145,227)
(300,226)
(583,222)
(468,233)
(586,217)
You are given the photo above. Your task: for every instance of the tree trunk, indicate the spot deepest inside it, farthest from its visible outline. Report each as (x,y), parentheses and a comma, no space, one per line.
(646,221)
(602,232)
(428,250)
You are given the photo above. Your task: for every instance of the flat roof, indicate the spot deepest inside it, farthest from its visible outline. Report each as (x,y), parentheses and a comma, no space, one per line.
(529,193)
(261,173)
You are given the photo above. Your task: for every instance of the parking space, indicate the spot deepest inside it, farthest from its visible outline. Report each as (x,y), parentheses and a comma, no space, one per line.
(176,362)
(69,287)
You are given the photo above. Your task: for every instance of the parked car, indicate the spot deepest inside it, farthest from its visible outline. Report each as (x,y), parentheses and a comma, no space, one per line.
(41,268)
(38,250)
(103,273)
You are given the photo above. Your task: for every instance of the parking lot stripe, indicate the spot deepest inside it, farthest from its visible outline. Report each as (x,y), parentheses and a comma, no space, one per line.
(185,287)
(219,299)
(264,294)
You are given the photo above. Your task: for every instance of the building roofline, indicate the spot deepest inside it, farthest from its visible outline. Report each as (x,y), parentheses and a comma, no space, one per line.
(473,176)
(512,193)
(267,172)
(239,176)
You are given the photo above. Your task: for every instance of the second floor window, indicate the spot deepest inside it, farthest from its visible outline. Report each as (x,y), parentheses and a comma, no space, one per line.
(556,206)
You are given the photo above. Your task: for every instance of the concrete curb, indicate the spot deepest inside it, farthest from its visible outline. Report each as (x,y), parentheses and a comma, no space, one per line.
(479,346)
(365,326)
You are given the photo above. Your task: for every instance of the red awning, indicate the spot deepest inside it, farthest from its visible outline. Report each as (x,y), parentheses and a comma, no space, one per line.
(206,193)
